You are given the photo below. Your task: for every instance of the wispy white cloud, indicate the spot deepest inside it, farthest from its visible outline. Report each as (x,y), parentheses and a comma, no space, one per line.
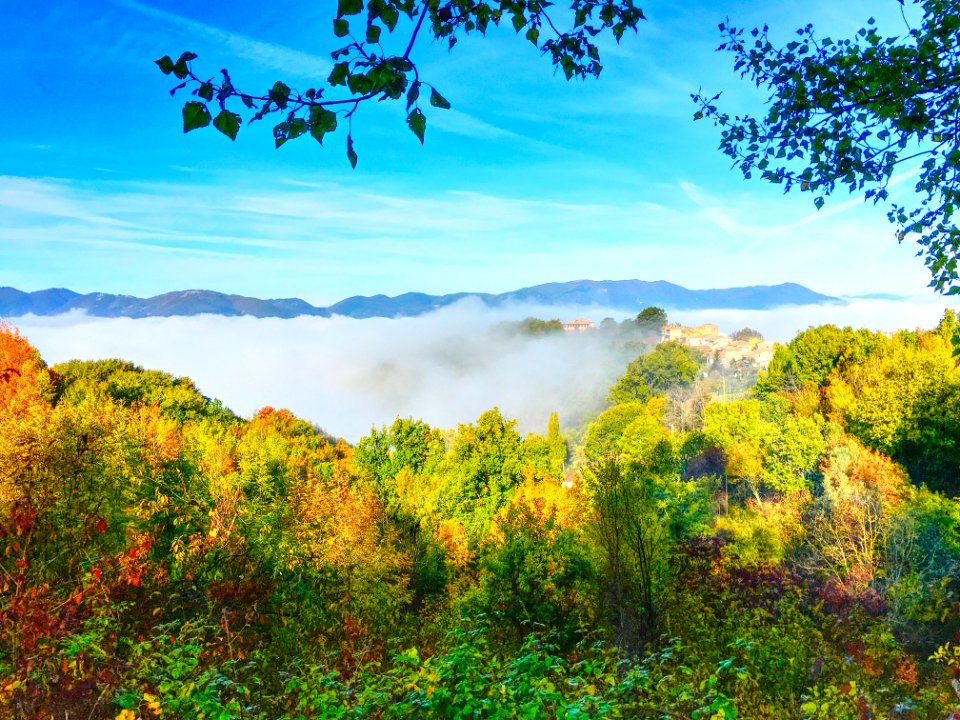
(67,235)
(837,208)
(56,199)
(51,198)
(268,55)
(460,123)
(347,240)
(728,214)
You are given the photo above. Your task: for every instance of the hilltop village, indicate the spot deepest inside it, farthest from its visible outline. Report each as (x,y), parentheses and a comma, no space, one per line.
(720,348)
(744,348)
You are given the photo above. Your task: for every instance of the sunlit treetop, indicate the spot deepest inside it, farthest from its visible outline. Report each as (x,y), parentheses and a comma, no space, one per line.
(853,112)
(365,69)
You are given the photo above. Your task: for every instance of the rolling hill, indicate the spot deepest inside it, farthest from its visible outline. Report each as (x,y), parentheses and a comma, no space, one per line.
(626,295)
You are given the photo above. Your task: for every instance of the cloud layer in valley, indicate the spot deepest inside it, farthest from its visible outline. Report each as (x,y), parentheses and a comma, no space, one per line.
(347,375)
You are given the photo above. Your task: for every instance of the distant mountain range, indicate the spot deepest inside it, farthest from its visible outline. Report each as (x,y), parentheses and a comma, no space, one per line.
(629,295)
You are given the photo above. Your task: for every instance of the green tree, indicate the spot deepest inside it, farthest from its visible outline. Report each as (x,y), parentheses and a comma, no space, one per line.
(604,434)
(766,447)
(130,385)
(631,386)
(810,357)
(849,112)
(546,455)
(633,434)
(747,333)
(949,329)
(632,538)
(407,444)
(903,399)
(365,69)
(537,575)
(484,465)
(558,446)
(536,326)
(923,561)
(669,364)
(651,320)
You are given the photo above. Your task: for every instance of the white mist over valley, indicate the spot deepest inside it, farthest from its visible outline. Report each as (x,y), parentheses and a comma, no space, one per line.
(347,375)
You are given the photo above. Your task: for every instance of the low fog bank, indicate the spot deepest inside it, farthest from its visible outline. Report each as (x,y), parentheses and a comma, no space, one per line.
(782,324)
(347,375)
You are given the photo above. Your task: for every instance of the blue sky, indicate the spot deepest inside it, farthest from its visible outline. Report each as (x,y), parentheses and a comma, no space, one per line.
(528,179)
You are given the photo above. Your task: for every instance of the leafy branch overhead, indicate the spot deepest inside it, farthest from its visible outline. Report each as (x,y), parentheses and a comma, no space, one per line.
(365,70)
(852,112)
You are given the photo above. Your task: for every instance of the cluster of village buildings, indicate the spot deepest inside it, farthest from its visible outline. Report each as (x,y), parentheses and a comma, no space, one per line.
(720,348)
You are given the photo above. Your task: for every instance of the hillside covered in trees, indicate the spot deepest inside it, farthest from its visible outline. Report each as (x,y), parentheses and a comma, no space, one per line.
(792,553)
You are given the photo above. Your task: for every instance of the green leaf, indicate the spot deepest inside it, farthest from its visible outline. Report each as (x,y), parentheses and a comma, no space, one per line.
(389,15)
(322,121)
(205,91)
(373,33)
(228,123)
(195,115)
(280,93)
(180,66)
(438,100)
(351,155)
(349,7)
(339,74)
(533,34)
(417,122)
(165,64)
(413,93)
(341,27)
(818,202)
(359,84)
(280,133)
(298,126)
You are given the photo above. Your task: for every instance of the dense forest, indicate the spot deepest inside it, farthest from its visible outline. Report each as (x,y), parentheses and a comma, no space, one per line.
(791,552)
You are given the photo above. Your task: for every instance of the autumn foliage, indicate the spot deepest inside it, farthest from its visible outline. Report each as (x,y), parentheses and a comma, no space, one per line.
(773,557)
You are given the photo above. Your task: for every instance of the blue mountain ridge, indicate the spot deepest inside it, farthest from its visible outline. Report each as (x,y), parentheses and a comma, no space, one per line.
(626,295)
